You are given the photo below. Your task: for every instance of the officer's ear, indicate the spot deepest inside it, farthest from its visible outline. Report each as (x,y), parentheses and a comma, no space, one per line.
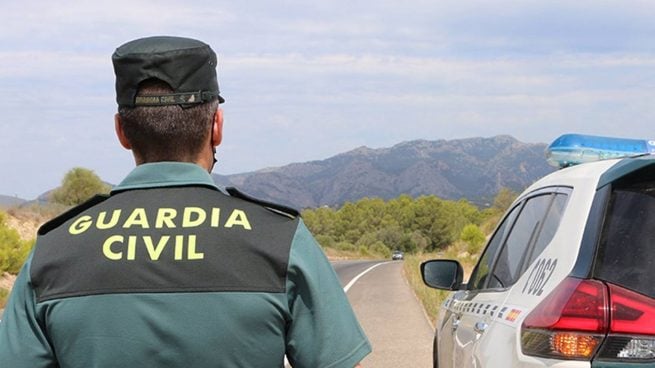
(217,128)
(120,133)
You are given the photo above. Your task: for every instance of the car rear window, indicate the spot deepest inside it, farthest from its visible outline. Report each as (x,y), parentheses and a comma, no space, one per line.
(626,255)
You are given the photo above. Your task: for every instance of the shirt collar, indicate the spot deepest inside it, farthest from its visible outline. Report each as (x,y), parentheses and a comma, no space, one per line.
(165,174)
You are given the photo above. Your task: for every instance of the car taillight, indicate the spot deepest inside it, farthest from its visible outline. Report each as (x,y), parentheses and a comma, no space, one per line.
(632,327)
(632,313)
(570,323)
(581,319)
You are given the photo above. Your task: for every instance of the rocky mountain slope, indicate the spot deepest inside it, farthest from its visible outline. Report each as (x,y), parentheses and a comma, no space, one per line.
(8,201)
(473,168)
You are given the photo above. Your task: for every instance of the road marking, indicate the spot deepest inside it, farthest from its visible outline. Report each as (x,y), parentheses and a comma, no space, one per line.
(353,281)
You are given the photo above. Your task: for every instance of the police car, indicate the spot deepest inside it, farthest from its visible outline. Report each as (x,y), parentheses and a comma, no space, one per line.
(568,277)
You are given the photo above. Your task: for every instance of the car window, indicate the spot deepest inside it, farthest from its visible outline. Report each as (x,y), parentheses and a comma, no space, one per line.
(523,234)
(626,255)
(549,227)
(481,272)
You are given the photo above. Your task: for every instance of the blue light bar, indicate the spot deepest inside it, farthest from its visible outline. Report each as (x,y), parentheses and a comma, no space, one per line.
(573,149)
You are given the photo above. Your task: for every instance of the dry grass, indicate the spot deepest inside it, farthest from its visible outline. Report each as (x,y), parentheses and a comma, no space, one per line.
(339,254)
(429,297)
(27,219)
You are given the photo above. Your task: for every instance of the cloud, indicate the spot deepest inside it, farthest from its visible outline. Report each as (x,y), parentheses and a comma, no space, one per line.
(50,64)
(375,77)
(306,80)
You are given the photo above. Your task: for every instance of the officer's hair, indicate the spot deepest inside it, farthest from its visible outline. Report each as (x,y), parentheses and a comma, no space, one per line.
(166,133)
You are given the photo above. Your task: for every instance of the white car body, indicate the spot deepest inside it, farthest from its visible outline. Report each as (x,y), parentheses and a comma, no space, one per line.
(482,327)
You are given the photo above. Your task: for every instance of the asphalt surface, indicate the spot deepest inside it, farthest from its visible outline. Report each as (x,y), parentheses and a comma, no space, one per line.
(389,313)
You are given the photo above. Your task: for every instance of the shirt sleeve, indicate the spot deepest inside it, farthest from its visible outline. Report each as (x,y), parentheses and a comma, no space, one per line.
(323,331)
(23,344)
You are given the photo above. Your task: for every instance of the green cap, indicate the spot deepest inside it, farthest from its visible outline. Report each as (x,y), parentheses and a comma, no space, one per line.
(187,65)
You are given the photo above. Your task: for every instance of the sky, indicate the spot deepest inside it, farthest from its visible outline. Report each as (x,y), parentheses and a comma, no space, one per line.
(306,80)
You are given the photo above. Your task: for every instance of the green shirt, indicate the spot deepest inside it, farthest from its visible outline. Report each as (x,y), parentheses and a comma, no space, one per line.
(170,272)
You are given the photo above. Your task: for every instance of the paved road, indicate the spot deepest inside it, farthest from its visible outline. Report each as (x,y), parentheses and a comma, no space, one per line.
(390,315)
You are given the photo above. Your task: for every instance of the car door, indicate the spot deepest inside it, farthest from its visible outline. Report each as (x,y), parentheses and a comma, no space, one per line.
(475,342)
(455,339)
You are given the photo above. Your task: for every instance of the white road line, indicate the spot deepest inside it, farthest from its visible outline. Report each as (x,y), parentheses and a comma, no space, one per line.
(354,280)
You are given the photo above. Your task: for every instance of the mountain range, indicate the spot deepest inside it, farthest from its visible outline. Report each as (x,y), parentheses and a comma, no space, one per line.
(473,168)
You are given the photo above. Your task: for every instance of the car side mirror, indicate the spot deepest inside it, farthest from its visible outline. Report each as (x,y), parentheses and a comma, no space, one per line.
(442,274)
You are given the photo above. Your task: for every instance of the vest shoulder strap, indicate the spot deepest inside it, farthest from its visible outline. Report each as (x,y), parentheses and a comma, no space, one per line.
(59,220)
(275,207)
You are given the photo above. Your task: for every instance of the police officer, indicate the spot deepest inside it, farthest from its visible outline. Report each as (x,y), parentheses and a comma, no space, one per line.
(168,271)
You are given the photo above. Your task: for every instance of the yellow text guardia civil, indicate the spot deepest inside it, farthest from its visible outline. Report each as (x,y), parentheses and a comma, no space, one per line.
(119,247)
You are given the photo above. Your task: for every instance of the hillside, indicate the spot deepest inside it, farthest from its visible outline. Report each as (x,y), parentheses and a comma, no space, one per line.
(8,201)
(473,168)
(26,223)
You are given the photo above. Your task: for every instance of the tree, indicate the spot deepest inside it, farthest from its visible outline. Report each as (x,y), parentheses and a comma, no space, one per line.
(79,185)
(372,225)
(493,214)
(504,199)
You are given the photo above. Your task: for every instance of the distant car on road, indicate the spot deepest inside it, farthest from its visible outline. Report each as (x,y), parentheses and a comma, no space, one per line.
(566,280)
(397,255)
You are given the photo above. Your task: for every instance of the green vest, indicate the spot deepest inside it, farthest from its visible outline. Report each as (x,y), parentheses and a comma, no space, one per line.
(169,271)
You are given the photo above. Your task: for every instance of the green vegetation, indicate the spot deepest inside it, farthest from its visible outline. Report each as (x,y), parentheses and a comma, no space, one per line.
(79,185)
(473,237)
(466,250)
(502,201)
(13,249)
(374,226)
(13,252)
(424,228)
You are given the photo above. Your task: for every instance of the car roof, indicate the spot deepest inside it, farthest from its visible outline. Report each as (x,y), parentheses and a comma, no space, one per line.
(593,174)
(625,167)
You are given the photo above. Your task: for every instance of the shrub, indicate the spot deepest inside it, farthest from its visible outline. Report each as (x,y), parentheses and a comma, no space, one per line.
(474,237)
(344,245)
(79,185)
(380,249)
(13,250)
